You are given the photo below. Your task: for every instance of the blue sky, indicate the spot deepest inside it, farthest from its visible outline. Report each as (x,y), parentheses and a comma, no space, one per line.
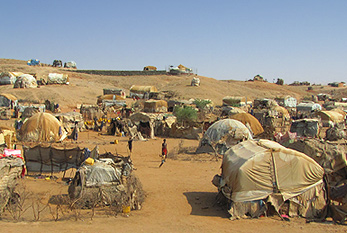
(297,40)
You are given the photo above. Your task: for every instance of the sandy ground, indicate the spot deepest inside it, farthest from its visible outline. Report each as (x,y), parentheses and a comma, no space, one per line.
(179,197)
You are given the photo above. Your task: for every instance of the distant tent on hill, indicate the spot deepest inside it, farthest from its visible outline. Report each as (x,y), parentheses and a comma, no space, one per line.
(8,78)
(41,127)
(25,81)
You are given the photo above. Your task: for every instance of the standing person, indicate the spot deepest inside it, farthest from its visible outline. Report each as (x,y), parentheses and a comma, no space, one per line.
(130,144)
(163,152)
(75,132)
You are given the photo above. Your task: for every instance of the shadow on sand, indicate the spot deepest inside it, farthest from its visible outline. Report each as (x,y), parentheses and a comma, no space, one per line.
(204,204)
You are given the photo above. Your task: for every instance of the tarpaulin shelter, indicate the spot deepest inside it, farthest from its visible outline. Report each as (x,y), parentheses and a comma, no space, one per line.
(8,100)
(155,106)
(308,107)
(287,102)
(42,127)
(330,116)
(25,81)
(195,82)
(120,187)
(305,127)
(115,91)
(71,119)
(223,134)
(253,123)
(54,78)
(8,78)
(109,97)
(265,172)
(52,159)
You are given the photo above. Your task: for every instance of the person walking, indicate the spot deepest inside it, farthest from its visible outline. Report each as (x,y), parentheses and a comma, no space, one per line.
(130,144)
(163,152)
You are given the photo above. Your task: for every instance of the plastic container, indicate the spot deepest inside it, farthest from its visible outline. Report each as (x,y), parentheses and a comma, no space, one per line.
(89,161)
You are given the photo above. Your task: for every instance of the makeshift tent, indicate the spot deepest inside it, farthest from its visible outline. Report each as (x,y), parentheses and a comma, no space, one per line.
(25,81)
(7,78)
(70,64)
(54,78)
(109,97)
(8,100)
(52,159)
(42,127)
(144,123)
(195,82)
(10,171)
(115,91)
(89,112)
(29,112)
(150,68)
(308,107)
(223,134)
(305,127)
(155,106)
(265,172)
(330,116)
(139,91)
(120,187)
(69,119)
(7,137)
(235,101)
(287,102)
(252,122)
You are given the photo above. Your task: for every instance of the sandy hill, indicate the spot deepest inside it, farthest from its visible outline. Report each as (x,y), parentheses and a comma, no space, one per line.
(84,88)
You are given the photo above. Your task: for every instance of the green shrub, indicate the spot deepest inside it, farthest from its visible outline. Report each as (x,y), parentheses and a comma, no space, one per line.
(186,114)
(201,103)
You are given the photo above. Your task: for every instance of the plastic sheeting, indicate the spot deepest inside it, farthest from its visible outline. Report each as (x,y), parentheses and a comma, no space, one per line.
(25,81)
(223,134)
(54,78)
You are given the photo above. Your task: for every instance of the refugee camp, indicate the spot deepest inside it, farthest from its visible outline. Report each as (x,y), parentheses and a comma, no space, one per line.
(173,117)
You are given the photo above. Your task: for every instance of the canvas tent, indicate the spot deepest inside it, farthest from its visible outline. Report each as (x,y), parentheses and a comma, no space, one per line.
(263,172)
(8,78)
(223,134)
(8,100)
(25,81)
(54,78)
(41,127)
(252,122)
(140,91)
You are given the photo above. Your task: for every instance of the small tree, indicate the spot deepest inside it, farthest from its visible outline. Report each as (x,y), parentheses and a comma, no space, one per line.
(186,114)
